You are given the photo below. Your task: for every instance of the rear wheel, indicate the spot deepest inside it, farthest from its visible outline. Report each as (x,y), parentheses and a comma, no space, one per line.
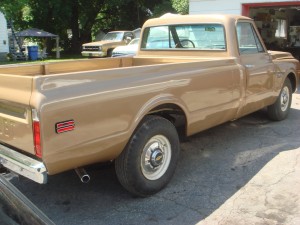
(280,109)
(148,162)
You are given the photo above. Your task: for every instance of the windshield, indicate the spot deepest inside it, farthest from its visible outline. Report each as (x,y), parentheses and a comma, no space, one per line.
(113,36)
(187,36)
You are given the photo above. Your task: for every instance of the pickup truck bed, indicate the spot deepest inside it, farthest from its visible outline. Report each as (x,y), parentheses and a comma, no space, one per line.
(104,90)
(62,68)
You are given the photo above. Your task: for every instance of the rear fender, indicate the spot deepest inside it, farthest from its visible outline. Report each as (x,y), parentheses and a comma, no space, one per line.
(155,102)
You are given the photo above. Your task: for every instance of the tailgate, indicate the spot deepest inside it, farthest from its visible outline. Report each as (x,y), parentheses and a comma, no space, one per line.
(15,112)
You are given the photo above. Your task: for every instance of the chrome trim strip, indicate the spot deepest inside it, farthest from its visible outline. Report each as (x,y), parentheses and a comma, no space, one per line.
(35,115)
(23,165)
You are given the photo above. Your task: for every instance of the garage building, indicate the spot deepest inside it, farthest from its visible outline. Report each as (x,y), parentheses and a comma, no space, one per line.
(277,21)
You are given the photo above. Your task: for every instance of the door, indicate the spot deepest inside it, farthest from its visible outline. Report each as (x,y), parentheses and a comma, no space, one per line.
(258,66)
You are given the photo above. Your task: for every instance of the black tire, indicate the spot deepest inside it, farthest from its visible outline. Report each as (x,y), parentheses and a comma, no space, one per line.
(136,173)
(280,109)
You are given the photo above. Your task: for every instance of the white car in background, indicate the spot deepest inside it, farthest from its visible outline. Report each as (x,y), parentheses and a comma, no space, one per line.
(129,49)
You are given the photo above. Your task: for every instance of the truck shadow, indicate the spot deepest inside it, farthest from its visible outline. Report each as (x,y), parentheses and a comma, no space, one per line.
(213,166)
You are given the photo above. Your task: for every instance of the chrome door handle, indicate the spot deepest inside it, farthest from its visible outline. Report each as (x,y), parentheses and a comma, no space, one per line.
(249,66)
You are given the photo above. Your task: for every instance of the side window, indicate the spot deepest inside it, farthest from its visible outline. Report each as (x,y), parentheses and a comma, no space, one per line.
(248,40)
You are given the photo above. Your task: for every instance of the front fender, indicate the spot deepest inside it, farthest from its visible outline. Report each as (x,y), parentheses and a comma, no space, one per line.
(286,68)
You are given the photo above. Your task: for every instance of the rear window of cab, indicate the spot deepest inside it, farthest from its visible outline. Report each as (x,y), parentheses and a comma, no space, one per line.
(193,36)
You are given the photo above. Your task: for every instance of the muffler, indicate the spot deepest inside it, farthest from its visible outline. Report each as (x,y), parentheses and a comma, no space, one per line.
(82,174)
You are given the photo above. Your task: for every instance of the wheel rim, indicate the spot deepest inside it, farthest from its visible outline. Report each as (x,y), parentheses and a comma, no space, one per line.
(156,157)
(284,98)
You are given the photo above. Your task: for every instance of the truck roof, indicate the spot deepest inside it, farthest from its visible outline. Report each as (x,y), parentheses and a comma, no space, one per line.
(203,18)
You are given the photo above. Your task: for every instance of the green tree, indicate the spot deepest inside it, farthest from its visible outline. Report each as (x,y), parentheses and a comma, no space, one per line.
(16,11)
(171,6)
(181,6)
(163,8)
(83,17)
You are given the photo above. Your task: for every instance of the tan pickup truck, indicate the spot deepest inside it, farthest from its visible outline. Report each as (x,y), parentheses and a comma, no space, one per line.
(105,47)
(190,73)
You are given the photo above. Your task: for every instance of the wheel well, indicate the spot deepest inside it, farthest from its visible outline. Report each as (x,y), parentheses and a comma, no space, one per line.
(175,115)
(292,78)
(109,51)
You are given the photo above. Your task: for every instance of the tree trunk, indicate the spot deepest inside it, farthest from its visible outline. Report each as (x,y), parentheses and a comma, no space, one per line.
(75,41)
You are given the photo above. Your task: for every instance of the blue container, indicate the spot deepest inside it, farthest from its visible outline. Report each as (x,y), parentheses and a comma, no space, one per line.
(33,52)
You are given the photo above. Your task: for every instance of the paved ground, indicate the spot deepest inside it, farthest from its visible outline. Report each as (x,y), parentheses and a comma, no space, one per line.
(270,197)
(242,172)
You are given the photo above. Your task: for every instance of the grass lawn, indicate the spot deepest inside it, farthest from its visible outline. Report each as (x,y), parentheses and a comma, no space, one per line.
(63,57)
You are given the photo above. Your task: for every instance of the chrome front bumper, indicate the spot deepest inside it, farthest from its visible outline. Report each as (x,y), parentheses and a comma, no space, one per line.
(23,165)
(93,54)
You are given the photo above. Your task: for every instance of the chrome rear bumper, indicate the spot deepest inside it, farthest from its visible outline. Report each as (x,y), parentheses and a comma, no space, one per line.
(23,165)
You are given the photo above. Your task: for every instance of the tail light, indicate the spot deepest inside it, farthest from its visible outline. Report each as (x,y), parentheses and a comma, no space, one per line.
(36,135)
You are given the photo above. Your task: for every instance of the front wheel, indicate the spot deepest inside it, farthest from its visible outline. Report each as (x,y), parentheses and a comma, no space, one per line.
(148,162)
(280,109)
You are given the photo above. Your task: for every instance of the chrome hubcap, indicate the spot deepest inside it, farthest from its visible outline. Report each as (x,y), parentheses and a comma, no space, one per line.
(284,99)
(156,157)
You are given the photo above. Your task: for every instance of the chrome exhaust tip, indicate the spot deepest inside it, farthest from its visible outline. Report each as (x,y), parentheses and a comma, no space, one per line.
(82,174)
